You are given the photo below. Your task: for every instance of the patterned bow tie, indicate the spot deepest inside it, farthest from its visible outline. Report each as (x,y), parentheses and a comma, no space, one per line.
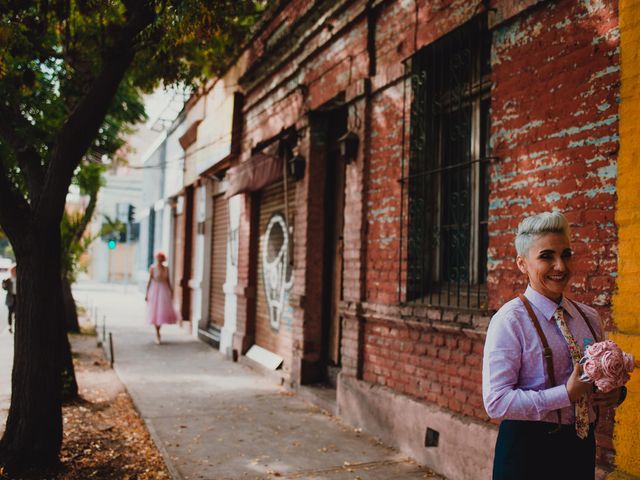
(582,410)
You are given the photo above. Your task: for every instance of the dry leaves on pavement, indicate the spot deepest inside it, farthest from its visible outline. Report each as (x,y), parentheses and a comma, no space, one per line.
(104,437)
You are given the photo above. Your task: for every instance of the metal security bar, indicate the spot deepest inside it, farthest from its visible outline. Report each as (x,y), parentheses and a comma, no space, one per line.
(445,184)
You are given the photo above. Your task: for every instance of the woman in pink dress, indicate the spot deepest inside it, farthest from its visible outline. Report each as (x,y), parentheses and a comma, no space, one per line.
(159,297)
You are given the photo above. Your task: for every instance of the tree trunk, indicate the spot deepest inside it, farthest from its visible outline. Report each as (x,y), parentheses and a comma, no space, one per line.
(33,433)
(69,383)
(68,373)
(70,312)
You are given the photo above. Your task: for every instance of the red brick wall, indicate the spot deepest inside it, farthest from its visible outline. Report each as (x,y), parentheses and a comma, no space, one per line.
(554,129)
(384,196)
(283,14)
(438,367)
(557,140)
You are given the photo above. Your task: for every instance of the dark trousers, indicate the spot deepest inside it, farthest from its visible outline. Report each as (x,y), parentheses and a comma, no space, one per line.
(12,315)
(527,451)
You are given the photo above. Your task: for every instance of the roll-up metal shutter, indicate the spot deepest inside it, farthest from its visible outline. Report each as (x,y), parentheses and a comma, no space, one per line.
(277,340)
(218,260)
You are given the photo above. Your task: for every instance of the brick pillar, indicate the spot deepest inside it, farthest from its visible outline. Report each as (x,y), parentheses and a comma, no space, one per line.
(354,289)
(309,238)
(352,346)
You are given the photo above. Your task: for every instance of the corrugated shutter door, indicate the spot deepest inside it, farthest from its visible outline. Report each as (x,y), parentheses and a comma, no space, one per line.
(271,201)
(218,260)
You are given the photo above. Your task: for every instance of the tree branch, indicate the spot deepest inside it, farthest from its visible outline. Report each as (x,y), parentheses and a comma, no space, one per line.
(14,209)
(86,216)
(26,154)
(82,126)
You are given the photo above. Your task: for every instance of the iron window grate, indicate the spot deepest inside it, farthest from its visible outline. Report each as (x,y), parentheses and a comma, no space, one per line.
(445,183)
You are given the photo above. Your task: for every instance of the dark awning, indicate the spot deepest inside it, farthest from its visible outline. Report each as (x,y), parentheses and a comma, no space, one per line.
(254,174)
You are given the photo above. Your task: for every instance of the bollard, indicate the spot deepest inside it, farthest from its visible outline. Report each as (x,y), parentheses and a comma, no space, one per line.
(111,359)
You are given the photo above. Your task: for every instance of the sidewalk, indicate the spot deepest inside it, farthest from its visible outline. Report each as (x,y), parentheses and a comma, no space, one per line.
(215,419)
(6,363)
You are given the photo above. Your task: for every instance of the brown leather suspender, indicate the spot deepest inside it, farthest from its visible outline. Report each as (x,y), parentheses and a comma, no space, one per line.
(547,352)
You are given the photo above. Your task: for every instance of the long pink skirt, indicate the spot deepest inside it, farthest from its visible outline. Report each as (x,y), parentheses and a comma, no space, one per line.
(160,309)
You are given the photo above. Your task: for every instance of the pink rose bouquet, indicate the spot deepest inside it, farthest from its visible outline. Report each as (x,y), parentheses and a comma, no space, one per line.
(606,365)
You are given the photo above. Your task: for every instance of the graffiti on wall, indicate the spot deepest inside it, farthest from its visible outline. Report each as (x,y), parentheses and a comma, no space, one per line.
(276,267)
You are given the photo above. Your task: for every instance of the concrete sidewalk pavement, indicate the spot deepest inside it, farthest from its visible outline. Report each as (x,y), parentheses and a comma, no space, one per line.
(6,364)
(215,419)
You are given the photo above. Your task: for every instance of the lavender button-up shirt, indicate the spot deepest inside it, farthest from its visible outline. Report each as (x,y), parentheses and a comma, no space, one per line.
(515,383)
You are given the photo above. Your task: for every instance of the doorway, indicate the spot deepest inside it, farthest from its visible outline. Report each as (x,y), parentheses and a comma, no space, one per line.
(335,127)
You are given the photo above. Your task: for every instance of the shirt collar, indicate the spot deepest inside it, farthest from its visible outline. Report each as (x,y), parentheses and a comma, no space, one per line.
(544,305)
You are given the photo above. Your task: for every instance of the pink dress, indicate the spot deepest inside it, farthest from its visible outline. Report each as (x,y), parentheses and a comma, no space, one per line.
(160,309)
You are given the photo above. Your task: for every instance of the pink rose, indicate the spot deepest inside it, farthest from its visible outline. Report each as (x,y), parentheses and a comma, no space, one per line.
(613,364)
(605,385)
(591,368)
(595,349)
(629,362)
(606,365)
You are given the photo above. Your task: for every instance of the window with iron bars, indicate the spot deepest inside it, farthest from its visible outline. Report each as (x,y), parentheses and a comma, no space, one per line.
(446,185)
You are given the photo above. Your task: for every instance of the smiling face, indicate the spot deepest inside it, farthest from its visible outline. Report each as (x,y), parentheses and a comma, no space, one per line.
(548,264)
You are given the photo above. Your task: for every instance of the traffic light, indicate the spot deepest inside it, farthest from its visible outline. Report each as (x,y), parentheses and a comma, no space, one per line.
(133,232)
(111,243)
(131,214)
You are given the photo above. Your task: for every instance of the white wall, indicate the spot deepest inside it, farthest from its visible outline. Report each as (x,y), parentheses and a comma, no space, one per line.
(231,281)
(198,267)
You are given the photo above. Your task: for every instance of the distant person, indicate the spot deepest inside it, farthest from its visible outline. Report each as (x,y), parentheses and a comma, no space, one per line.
(10,284)
(159,297)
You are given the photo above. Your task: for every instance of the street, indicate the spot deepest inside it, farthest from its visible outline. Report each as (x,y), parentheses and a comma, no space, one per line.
(215,419)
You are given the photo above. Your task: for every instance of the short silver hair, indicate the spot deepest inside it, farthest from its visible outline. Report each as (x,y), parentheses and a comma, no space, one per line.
(531,228)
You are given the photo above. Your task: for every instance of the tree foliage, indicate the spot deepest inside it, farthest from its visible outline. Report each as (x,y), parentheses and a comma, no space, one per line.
(127,110)
(52,52)
(69,74)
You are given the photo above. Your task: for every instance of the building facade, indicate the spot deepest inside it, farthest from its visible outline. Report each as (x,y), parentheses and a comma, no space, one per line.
(426,132)
(205,222)
(353,186)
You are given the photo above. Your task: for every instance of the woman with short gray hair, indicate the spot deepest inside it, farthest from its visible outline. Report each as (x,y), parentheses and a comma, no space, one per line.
(530,373)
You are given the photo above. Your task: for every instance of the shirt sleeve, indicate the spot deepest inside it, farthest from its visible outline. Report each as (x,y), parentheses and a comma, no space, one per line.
(500,371)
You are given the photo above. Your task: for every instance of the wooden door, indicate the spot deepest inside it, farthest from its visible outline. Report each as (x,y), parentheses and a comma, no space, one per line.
(336,263)
(335,127)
